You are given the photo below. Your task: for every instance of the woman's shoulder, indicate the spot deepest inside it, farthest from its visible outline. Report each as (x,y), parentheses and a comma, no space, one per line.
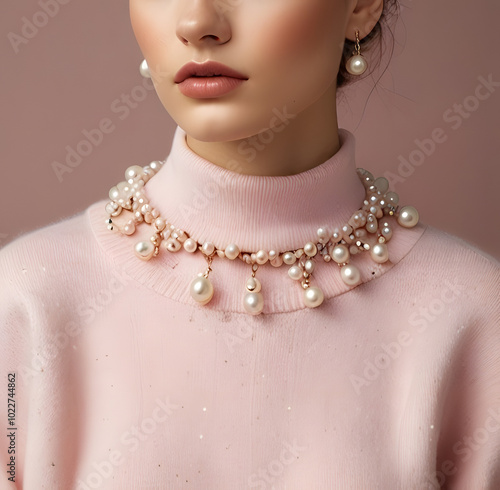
(61,247)
(436,244)
(442,258)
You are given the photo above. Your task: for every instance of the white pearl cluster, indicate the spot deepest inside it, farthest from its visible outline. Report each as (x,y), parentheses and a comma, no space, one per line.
(366,230)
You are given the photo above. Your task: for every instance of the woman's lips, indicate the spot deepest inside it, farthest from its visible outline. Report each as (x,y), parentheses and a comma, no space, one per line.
(208,87)
(207,80)
(206,69)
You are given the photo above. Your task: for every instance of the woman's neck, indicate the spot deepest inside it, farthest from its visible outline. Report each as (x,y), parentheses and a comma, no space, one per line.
(294,143)
(215,204)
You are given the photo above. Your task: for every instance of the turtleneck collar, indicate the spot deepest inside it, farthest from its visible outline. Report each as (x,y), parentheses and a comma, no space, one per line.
(282,213)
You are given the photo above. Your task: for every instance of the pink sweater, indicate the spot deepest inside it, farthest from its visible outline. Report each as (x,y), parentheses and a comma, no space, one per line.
(123,382)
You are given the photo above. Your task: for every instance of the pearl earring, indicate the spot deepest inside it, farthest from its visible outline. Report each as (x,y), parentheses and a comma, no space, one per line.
(144,69)
(356,64)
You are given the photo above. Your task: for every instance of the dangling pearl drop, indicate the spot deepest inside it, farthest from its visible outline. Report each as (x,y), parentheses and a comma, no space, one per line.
(253,301)
(144,69)
(201,290)
(379,253)
(356,64)
(313,296)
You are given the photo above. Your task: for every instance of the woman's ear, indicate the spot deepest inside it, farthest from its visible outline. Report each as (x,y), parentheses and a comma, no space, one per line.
(364,18)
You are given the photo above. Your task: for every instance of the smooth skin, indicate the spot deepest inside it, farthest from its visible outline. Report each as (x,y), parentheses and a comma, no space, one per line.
(283,119)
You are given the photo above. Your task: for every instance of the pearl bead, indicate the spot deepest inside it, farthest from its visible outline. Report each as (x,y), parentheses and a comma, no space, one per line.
(201,290)
(129,228)
(172,245)
(232,251)
(309,266)
(144,250)
(114,193)
(387,232)
(310,249)
(261,257)
(382,184)
(356,65)
(208,248)
(159,224)
(133,173)
(372,224)
(313,296)
(323,234)
(393,198)
(155,166)
(295,272)
(379,253)
(289,258)
(190,245)
(340,254)
(350,275)
(408,217)
(253,285)
(253,303)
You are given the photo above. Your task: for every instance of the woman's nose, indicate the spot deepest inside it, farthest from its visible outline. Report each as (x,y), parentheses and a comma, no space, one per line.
(203,23)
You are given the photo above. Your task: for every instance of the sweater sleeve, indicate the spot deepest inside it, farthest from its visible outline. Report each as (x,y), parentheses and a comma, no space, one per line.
(468,454)
(39,291)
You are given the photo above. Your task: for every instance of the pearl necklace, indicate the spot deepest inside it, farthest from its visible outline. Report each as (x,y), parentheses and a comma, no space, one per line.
(366,230)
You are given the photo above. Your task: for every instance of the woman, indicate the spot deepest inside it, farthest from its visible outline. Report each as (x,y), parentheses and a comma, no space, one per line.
(372,363)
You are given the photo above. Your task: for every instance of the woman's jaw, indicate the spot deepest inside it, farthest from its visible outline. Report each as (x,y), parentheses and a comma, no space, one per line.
(277,116)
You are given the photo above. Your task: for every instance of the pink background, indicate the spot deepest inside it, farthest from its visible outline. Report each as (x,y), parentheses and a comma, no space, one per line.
(68,76)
